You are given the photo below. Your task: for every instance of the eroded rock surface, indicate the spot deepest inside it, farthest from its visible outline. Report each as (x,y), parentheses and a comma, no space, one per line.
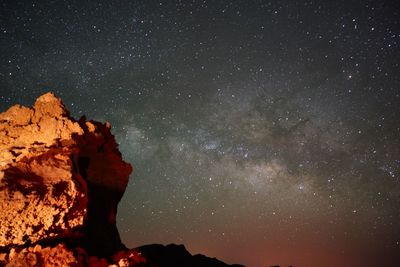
(62,256)
(58,177)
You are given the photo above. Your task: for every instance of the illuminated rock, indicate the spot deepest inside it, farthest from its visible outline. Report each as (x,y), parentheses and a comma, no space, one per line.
(59,178)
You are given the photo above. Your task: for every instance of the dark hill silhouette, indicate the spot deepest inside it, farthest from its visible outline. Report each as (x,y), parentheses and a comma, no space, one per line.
(177,256)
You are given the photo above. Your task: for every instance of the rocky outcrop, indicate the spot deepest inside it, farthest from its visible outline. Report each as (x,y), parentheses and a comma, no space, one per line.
(60,184)
(61,255)
(38,256)
(59,178)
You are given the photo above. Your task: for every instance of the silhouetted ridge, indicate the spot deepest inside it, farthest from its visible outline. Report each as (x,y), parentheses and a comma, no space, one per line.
(177,256)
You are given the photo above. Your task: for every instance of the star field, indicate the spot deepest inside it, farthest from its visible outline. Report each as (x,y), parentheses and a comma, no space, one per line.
(261,132)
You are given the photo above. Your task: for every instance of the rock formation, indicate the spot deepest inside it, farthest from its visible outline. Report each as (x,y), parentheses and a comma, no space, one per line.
(59,178)
(60,184)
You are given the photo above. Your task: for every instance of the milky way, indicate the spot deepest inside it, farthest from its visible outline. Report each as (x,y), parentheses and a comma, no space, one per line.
(260,132)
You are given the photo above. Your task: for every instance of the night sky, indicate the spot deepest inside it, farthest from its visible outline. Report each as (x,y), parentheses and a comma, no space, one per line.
(261,132)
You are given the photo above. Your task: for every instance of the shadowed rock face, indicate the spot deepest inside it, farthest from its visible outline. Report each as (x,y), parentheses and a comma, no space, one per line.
(59,178)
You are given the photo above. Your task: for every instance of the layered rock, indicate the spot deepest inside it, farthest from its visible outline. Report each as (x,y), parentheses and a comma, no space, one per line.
(59,178)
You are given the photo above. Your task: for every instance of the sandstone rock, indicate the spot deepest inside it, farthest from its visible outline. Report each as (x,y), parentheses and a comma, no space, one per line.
(59,178)
(59,255)
(62,256)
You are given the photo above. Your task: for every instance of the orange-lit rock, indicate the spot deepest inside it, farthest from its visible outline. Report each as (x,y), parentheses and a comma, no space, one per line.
(59,178)
(59,255)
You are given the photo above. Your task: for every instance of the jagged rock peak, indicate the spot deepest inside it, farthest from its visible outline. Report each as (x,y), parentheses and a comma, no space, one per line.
(50,104)
(24,130)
